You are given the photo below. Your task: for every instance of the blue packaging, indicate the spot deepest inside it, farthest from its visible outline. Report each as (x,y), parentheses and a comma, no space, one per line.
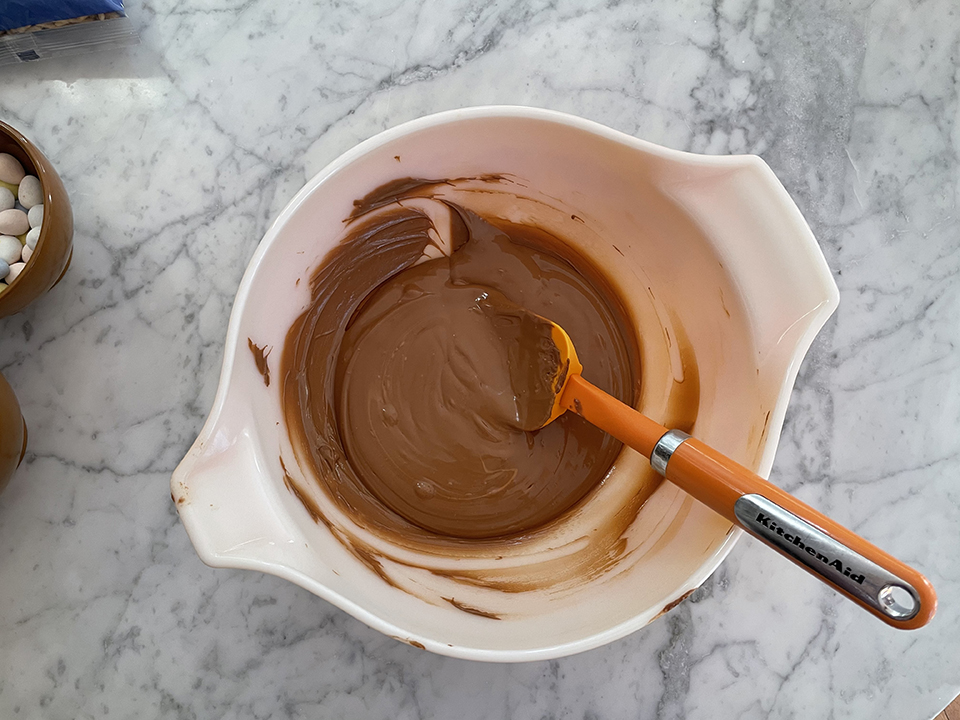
(21,13)
(37,29)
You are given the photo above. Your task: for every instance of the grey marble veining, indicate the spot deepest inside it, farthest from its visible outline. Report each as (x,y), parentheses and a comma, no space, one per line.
(178,153)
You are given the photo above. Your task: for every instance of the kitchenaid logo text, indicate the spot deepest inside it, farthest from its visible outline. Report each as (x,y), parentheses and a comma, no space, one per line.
(798,541)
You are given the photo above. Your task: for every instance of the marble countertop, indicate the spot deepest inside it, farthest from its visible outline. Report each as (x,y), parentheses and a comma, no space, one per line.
(179,152)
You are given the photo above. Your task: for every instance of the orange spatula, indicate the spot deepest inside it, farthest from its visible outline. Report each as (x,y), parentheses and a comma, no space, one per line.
(878,582)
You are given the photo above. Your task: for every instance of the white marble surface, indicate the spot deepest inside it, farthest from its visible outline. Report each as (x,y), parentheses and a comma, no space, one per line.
(178,153)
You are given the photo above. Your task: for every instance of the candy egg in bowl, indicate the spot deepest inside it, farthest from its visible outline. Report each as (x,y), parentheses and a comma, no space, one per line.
(35,214)
(720,281)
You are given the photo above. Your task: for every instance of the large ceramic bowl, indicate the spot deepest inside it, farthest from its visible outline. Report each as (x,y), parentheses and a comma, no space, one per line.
(706,252)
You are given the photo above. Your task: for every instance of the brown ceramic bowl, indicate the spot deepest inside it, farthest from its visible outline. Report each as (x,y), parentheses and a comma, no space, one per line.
(54,249)
(13,433)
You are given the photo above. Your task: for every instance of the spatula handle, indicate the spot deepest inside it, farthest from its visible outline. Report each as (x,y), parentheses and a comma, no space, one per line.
(875,580)
(878,582)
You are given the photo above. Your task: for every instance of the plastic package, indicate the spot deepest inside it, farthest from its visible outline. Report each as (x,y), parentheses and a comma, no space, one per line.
(37,29)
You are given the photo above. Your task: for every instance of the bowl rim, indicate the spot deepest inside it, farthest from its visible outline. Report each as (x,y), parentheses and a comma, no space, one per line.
(814,322)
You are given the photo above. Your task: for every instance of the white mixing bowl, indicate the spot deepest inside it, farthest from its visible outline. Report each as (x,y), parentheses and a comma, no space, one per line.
(710,248)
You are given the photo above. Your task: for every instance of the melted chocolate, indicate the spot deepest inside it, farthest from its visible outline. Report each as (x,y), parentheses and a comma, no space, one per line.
(532,357)
(260,358)
(396,381)
(426,229)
